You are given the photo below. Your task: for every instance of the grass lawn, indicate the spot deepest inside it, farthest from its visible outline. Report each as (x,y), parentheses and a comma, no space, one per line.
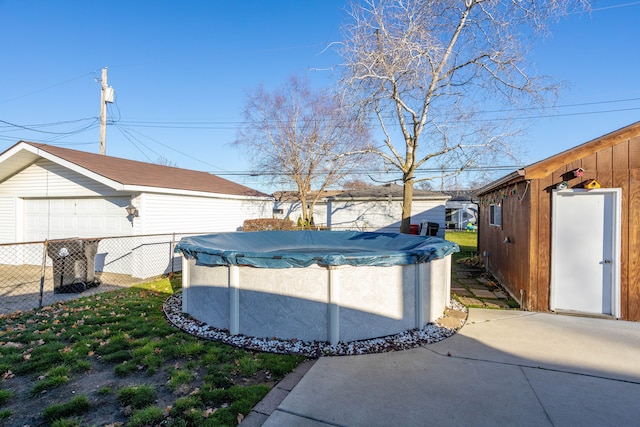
(112,359)
(468,242)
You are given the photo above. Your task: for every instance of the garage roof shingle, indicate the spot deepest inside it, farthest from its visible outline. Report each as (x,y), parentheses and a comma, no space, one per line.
(134,173)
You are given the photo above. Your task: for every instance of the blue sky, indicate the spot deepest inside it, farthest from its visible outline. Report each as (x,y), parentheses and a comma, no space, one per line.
(181,71)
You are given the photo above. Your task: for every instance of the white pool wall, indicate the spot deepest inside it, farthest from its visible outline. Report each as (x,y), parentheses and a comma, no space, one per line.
(343,303)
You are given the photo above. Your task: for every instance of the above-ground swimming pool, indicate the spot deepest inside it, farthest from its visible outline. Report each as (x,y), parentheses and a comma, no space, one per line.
(315,285)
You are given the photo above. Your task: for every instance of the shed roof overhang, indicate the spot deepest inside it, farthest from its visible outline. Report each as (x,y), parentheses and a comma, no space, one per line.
(499,183)
(547,166)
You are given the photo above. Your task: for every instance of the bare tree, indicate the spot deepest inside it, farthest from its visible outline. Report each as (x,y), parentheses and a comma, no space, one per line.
(299,136)
(427,69)
(161,160)
(357,184)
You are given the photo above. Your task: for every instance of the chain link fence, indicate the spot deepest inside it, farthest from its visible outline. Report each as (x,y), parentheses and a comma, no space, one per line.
(36,274)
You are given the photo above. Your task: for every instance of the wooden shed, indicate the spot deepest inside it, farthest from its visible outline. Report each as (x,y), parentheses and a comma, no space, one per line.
(563,234)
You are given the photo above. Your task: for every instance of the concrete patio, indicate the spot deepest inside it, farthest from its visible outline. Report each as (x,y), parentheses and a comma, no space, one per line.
(502,368)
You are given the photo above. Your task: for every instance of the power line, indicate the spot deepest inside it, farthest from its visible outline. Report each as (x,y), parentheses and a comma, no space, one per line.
(548,116)
(184,125)
(132,141)
(496,168)
(583,104)
(8,124)
(47,88)
(613,6)
(75,133)
(119,125)
(32,128)
(226,125)
(233,124)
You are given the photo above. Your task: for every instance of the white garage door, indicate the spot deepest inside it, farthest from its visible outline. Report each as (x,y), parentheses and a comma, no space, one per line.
(85,217)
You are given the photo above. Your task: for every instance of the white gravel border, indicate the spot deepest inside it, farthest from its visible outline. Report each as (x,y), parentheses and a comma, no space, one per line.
(431,333)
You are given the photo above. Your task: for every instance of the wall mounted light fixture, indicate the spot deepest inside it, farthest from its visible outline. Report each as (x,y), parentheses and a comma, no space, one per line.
(132,211)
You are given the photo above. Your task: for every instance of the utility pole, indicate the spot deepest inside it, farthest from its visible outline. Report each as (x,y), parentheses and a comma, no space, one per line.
(106,95)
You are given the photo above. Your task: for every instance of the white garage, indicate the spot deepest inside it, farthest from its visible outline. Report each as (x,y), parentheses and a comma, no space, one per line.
(49,192)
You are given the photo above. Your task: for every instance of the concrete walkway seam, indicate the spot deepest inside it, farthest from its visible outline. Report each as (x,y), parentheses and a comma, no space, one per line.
(533,390)
(306,417)
(524,314)
(541,368)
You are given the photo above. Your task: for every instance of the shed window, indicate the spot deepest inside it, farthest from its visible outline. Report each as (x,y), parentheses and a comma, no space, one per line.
(495,215)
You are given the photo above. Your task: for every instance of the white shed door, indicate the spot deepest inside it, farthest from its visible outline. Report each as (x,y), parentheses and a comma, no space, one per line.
(84,217)
(585,265)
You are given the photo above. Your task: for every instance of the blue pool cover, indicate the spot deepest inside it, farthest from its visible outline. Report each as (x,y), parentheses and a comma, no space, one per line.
(286,249)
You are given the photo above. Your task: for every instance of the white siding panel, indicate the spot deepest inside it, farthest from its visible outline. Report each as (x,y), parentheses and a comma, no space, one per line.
(293,211)
(163,213)
(7,219)
(13,255)
(429,211)
(365,215)
(383,215)
(48,179)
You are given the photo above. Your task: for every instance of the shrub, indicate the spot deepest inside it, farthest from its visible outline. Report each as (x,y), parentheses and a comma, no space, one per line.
(267,224)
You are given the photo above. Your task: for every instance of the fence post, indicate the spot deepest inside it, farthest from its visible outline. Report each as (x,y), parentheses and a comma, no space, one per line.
(171,246)
(44,265)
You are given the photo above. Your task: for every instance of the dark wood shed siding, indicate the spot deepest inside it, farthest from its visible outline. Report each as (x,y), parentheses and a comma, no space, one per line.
(504,258)
(526,263)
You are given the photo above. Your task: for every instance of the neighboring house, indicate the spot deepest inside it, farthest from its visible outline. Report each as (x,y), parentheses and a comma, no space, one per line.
(287,205)
(48,192)
(380,209)
(369,209)
(563,234)
(461,211)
